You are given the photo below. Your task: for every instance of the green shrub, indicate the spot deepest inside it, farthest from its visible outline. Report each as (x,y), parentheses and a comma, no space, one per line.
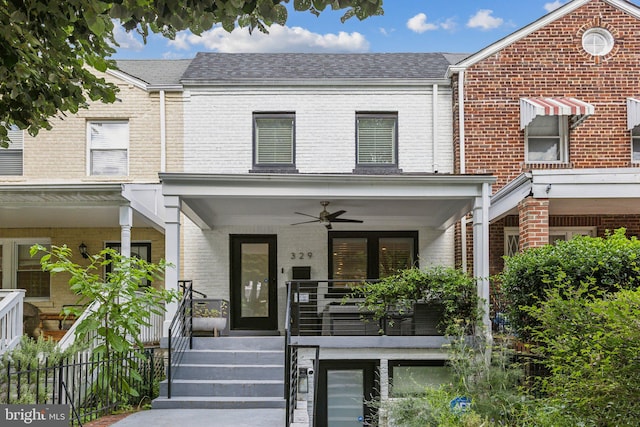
(591,347)
(610,263)
(454,290)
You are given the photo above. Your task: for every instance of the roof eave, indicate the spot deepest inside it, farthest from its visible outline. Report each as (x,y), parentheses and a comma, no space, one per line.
(317,82)
(128,78)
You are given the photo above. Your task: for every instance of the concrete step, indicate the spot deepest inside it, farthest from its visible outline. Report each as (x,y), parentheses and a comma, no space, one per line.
(200,402)
(229,357)
(228,372)
(229,388)
(239,343)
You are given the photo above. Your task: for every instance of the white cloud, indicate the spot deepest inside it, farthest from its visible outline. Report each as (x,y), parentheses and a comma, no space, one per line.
(279,39)
(483,20)
(419,24)
(126,40)
(449,24)
(550,7)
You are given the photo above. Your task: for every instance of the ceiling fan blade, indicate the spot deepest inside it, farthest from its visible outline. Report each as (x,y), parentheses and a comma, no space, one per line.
(359,221)
(333,216)
(310,216)
(306,222)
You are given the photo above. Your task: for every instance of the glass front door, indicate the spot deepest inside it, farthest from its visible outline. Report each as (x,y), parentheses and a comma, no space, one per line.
(253,282)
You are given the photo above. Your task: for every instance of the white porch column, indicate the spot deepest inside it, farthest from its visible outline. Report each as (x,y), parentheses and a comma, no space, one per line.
(481,252)
(172,254)
(126,222)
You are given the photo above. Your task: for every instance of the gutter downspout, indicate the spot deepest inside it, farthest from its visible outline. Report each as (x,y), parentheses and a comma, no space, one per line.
(434,168)
(163,133)
(464,221)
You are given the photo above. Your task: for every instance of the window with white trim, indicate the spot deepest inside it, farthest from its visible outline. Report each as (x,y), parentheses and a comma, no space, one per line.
(635,144)
(274,140)
(376,139)
(108,146)
(546,140)
(11,158)
(512,236)
(19,270)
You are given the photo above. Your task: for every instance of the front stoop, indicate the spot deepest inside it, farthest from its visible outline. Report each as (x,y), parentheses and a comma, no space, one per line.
(228,373)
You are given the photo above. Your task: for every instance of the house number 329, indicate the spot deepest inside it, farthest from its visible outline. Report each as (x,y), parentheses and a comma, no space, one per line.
(301,255)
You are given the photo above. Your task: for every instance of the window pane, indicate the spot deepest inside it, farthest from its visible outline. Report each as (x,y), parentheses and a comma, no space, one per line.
(109,162)
(10,162)
(30,275)
(349,259)
(254,275)
(376,140)
(394,254)
(513,242)
(635,136)
(274,141)
(109,135)
(1,287)
(544,126)
(345,398)
(413,380)
(544,149)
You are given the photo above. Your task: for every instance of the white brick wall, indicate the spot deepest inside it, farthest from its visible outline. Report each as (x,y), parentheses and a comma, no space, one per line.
(219,127)
(207,257)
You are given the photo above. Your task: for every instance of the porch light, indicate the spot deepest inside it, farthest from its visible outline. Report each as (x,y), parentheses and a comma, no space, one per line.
(83,250)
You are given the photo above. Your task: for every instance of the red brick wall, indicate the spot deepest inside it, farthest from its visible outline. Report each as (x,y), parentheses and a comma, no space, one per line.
(534,222)
(551,62)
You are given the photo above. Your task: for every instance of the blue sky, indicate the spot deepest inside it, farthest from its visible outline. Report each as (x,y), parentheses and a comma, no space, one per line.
(462,26)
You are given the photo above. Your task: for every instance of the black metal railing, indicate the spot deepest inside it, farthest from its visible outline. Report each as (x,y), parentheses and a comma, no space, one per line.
(91,385)
(292,373)
(325,308)
(180,334)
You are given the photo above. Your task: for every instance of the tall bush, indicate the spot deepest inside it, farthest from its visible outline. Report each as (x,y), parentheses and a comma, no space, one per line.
(611,263)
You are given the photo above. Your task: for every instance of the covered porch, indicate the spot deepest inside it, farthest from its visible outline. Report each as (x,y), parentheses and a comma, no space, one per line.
(207,213)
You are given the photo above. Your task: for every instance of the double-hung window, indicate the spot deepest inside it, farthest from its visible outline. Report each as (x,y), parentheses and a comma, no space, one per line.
(274,140)
(19,270)
(377,139)
(108,146)
(546,140)
(11,157)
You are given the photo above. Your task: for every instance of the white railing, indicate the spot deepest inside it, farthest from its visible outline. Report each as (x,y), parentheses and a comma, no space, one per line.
(10,318)
(148,334)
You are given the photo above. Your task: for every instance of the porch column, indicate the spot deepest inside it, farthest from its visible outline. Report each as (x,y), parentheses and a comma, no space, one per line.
(481,252)
(534,223)
(126,222)
(172,254)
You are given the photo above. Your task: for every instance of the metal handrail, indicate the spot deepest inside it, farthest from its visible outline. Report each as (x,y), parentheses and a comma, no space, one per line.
(180,332)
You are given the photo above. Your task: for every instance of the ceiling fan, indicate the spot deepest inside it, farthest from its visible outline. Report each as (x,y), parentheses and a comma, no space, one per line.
(325,218)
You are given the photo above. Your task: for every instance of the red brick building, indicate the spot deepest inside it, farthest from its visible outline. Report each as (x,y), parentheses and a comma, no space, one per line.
(553,111)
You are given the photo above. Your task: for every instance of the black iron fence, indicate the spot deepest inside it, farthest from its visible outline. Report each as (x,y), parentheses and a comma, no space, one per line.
(93,386)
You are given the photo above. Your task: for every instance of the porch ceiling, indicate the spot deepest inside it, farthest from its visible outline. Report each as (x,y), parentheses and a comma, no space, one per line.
(404,200)
(63,206)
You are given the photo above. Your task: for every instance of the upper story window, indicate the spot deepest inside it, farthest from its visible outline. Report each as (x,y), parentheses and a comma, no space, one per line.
(108,145)
(11,158)
(274,140)
(377,139)
(597,41)
(546,140)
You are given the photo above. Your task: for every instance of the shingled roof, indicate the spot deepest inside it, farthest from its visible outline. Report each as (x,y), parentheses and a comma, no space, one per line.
(211,67)
(155,71)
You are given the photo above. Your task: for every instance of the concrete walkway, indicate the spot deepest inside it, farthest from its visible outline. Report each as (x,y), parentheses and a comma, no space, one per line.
(205,418)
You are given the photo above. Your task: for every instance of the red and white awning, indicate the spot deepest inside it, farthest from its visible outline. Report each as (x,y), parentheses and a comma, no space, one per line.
(530,108)
(633,113)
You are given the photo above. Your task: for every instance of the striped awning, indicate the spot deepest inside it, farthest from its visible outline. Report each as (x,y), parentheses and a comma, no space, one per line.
(633,113)
(530,108)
